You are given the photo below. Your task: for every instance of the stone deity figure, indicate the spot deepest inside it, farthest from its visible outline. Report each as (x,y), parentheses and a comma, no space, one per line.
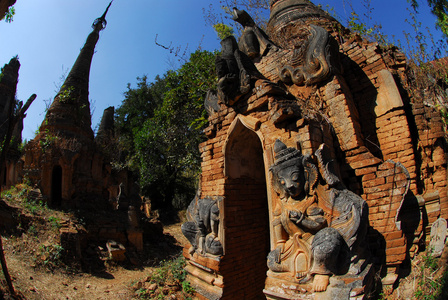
(253,41)
(236,72)
(201,230)
(318,224)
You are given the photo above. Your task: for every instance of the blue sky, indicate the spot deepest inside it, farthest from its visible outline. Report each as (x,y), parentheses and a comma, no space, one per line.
(48,34)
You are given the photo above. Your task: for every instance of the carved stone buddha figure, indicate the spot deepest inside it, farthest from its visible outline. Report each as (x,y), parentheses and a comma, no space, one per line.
(316,224)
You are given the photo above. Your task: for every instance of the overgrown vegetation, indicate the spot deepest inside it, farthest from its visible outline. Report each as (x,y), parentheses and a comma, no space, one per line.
(165,282)
(428,280)
(19,195)
(37,232)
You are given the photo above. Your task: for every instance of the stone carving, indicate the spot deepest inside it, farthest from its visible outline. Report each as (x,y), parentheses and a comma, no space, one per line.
(253,41)
(133,217)
(201,230)
(211,102)
(236,72)
(310,61)
(309,54)
(438,237)
(319,225)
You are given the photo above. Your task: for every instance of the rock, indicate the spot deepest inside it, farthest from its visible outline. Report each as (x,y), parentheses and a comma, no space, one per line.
(151,287)
(138,285)
(389,279)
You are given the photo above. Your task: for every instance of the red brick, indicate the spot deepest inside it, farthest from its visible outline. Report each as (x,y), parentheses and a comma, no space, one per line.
(365,163)
(395,243)
(364,171)
(396,251)
(393,235)
(374,182)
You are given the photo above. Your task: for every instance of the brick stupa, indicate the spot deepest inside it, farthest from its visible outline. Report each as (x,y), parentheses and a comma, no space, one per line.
(63,159)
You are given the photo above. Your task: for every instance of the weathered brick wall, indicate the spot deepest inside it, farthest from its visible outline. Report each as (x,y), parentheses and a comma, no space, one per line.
(433,154)
(413,137)
(246,239)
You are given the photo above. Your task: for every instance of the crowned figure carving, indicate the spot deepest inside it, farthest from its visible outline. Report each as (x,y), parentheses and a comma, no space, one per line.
(319,226)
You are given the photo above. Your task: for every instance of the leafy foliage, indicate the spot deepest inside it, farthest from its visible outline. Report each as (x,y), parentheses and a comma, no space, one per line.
(439,8)
(138,105)
(10,14)
(223,30)
(160,125)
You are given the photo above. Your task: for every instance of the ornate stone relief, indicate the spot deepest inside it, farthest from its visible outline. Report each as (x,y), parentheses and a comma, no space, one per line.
(309,61)
(201,229)
(236,72)
(319,226)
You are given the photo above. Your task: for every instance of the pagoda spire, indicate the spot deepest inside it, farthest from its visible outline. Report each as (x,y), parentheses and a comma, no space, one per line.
(71,106)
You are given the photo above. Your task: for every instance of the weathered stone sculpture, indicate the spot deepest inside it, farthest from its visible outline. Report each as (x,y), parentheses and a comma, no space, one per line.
(202,227)
(322,221)
(235,72)
(253,41)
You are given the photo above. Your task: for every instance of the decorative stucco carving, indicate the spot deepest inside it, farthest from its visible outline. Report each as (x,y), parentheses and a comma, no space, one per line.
(310,60)
(319,225)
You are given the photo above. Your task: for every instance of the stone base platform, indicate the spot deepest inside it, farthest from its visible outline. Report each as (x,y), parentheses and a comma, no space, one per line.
(203,275)
(349,286)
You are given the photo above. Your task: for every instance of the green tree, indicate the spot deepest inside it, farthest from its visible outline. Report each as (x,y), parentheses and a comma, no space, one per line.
(139,104)
(162,140)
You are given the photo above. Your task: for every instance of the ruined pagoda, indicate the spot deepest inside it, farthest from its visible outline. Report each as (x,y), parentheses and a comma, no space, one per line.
(62,160)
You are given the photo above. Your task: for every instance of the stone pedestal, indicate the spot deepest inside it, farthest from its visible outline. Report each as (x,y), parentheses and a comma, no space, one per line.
(202,274)
(349,286)
(116,251)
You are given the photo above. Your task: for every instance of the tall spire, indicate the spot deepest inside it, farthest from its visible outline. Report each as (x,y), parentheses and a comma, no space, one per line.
(71,106)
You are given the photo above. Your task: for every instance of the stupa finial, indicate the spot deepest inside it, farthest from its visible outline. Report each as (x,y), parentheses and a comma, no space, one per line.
(101,23)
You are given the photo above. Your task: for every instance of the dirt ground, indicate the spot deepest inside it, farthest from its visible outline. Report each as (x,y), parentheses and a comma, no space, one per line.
(113,283)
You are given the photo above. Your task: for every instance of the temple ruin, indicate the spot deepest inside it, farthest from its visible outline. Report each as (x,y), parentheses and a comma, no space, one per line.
(320,165)
(64,160)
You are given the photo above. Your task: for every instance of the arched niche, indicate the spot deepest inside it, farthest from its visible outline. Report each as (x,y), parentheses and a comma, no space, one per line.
(246,210)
